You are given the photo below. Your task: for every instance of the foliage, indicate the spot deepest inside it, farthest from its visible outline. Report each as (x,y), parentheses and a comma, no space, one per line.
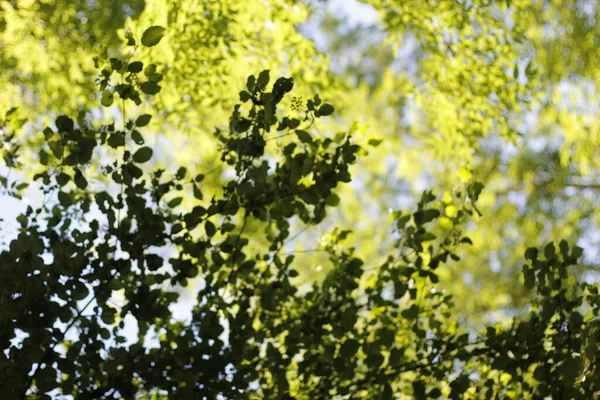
(127,236)
(534,154)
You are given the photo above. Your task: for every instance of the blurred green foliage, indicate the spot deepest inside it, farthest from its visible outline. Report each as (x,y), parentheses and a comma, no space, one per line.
(195,232)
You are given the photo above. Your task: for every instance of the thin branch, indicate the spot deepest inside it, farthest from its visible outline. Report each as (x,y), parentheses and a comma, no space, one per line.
(303,251)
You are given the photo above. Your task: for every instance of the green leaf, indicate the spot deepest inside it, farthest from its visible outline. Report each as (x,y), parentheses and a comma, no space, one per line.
(374,142)
(143,120)
(175,202)
(153,262)
(326,109)
(251,83)
(229,227)
(135,66)
(130,39)
(400,288)
(410,313)
(43,157)
(10,112)
(427,236)
(153,35)
(150,70)
(197,193)
(283,85)
(108,316)
(531,253)
(137,137)
(304,136)
(245,96)
(550,251)
(80,291)
(181,172)
(316,100)
(115,63)
(142,155)
(474,189)
(64,199)
(64,124)
(402,220)
(150,87)
(105,334)
(155,78)
(107,98)
(57,148)
(529,277)
(333,200)
(80,181)
(210,228)
(426,197)
(576,252)
(263,80)
(424,216)
(564,248)
(62,179)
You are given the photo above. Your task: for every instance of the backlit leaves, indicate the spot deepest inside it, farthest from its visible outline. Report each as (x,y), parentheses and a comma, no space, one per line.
(143,120)
(326,109)
(374,326)
(142,155)
(152,36)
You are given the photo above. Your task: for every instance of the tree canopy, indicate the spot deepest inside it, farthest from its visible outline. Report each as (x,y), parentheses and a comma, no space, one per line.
(272,200)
